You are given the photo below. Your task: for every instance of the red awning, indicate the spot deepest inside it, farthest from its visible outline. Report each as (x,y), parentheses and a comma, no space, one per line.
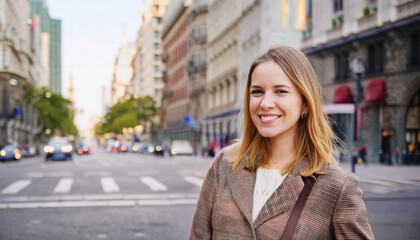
(375,91)
(342,94)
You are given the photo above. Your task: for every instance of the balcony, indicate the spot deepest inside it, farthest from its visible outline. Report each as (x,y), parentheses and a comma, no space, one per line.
(167,93)
(194,68)
(367,22)
(335,33)
(408,9)
(197,86)
(165,76)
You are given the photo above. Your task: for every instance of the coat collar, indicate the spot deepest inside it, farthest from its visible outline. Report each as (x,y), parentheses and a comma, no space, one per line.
(283,199)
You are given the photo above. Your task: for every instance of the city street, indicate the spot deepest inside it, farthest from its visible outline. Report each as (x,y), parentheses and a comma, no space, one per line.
(134,196)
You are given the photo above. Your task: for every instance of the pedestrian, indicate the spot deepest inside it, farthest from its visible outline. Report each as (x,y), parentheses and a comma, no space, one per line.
(287,147)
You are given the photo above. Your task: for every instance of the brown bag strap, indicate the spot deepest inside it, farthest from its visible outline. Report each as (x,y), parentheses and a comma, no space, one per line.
(297,210)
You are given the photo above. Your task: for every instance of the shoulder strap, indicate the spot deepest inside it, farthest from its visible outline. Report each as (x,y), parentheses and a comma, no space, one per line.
(297,210)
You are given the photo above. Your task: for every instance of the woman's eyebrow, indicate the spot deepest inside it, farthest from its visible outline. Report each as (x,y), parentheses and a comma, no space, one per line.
(276,86)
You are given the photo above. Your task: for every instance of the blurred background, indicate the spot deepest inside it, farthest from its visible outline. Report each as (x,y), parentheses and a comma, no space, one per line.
(139,96)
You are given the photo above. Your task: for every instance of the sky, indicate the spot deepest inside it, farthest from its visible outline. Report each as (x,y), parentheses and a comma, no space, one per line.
(92,32)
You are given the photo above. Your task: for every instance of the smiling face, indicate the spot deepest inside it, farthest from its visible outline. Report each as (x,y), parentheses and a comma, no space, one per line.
(275,104)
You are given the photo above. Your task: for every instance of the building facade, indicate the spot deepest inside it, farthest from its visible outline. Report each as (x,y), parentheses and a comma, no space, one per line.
(123,71)
(19,66)
(219,127)
(175,100)
(367,57)
(51,44)
(147,77)
(197,69)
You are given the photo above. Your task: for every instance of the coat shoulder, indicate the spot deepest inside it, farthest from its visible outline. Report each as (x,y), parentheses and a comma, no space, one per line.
(230,151)
(335,178)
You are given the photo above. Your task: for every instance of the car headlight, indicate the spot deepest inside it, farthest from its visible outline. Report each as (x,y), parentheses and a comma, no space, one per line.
(135,148)
(173,151)
(17,156)
(48,149)
(151,149)
(3,153)
(158,148)
(66,148)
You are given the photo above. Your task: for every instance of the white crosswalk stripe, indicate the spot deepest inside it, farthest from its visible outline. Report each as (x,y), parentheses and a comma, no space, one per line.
(194,180)
(64,185)
(109,185)
(154,184)
(16,187)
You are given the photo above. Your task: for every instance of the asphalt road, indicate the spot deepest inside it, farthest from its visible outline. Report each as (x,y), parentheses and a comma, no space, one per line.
(134,196)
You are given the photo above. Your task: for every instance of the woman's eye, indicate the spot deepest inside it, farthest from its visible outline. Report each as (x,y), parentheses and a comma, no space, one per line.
(256,92)
(281,91)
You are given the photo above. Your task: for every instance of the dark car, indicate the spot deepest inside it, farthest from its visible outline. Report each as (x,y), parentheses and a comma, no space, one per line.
(58,149)
(10,152)
(82,149)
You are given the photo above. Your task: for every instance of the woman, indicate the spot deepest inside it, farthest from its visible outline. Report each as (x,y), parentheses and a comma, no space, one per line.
(252,186)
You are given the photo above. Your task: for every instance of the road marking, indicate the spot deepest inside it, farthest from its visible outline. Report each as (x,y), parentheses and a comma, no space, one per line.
(153,184)
(64,185)
(109,185)
(194,180)
(403,181)
(115,203)
(377,182)
(16,186)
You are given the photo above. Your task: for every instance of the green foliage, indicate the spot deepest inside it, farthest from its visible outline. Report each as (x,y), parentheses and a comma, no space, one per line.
(55,112)
(128,113)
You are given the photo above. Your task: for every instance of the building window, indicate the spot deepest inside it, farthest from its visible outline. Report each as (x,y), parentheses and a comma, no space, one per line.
(158,20)
(338,5)
(157,58)
(376,58)
(414,60)
(157,46)
(341,61)
(157,35)
(156,69)
(157,80)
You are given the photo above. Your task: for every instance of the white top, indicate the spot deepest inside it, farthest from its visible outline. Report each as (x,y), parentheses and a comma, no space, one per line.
(267,181)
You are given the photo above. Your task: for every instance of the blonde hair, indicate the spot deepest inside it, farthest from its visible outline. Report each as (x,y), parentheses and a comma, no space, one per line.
(315,138)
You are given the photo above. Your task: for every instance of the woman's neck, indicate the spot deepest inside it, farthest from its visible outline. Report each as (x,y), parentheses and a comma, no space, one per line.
(283,152)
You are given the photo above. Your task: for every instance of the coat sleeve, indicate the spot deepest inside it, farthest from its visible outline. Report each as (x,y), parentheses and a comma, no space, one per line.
(201,226)
(350,220)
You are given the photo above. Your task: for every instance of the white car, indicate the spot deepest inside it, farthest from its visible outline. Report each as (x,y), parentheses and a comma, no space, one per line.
(181,147)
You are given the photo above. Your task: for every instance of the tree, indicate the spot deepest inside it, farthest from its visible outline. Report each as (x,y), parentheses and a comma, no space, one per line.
(127,113)
(55,112)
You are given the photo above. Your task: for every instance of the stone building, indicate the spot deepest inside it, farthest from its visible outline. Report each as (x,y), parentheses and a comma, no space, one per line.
(197,68)
(367,57)
(147,64)
(20,48)
(175,99)
(123,71)
(219,127)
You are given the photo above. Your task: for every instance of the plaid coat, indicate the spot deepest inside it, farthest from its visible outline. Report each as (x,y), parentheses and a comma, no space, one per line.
(334,209)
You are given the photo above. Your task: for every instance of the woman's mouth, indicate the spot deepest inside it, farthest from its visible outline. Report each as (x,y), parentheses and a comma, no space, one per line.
(269,118)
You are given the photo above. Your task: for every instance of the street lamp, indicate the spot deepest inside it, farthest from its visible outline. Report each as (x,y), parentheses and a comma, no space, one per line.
(357,65)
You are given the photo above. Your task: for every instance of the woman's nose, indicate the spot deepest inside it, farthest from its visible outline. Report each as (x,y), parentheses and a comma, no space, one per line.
(267,101)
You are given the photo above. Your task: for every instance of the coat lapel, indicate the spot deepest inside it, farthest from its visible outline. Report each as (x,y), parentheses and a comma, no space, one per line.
(285,197)
(282,200)
(242,188)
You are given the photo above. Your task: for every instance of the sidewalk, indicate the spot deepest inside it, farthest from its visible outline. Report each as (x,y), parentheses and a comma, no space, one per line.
(375,170)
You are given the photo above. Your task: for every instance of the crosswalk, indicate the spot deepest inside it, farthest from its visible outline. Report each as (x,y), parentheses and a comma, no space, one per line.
(108,185)
(111,185)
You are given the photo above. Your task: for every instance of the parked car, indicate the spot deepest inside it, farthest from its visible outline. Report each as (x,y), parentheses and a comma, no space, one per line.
(10,152)
(58,149)
(181,147)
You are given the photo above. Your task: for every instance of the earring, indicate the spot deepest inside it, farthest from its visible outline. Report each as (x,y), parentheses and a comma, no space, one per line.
(303,115)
